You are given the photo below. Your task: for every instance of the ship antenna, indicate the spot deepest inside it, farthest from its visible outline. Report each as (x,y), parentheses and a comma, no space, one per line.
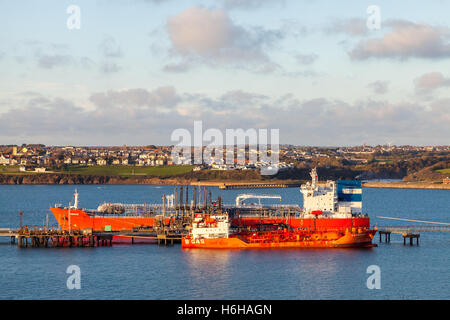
(75,205)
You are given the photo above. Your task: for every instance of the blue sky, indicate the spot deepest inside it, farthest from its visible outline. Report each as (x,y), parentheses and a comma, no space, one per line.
(136,70)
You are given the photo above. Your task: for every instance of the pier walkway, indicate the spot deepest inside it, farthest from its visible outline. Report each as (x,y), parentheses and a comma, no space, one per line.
(52,236)
(257,185)
(408,232)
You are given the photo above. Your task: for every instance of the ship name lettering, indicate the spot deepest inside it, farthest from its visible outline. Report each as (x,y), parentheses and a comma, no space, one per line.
(196,241)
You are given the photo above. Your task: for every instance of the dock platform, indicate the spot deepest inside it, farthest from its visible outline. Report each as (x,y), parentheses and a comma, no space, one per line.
(257,185)
(53,237)
(408,232)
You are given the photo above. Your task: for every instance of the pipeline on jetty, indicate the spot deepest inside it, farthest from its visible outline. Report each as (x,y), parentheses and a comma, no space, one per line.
(178,207)
(45,236)
(37,236)
(410,232)
(225,186)
(172,219)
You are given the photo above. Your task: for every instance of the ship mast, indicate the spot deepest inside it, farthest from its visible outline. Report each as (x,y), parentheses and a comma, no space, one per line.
(314,177)
(75,195)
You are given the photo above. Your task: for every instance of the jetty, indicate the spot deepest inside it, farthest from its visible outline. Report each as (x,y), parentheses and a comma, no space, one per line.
(408,232)
(407,185)
(225,186)
(411,232)
(44,236)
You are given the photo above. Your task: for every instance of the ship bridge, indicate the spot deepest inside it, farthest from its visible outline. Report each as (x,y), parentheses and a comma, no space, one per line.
(343,198)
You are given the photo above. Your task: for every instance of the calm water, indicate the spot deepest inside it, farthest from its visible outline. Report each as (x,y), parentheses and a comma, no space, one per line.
(152,272)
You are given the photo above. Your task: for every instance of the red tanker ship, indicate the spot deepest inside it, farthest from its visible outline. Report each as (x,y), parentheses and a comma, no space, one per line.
(335,206)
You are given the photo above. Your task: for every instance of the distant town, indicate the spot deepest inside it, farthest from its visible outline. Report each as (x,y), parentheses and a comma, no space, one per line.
(42,158)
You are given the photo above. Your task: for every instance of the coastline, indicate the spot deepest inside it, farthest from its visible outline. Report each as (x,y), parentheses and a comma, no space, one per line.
(73,179)
(407,185)
(61,179)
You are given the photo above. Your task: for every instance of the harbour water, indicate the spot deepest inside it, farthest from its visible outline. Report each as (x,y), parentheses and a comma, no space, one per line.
(154,272)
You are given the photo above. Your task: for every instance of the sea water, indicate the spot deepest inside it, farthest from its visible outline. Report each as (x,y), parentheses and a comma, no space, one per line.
(158,272)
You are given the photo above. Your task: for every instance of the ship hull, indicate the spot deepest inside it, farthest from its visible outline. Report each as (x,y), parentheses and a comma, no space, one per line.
(317,223)
(80,220)
(358,239)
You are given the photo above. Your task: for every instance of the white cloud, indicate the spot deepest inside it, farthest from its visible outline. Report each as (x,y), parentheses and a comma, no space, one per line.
(379,87)
(352,27)
(306,59)
(249,4)
(109,47)
(406,40)
(141,116)
(431,81)
(109,67)
(131,98)
(201,31)
(49,61)
(201,36)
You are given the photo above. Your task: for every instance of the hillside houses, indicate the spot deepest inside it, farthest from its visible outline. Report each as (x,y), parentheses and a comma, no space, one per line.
(41,156)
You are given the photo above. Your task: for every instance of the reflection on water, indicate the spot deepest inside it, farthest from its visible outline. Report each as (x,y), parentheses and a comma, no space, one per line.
(273,273)
(196,258)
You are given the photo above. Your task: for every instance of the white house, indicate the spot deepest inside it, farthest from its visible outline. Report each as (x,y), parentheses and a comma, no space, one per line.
(3,160)
(101,162)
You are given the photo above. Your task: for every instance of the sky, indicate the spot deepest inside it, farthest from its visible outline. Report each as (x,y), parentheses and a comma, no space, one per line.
(324,73)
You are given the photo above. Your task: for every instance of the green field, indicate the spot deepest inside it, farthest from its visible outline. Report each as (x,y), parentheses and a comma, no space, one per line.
(10,170)
(128,171)
(444,170)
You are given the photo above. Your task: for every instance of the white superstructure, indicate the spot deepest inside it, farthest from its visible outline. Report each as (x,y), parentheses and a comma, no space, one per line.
(210,226)
(317,198)
(324,200)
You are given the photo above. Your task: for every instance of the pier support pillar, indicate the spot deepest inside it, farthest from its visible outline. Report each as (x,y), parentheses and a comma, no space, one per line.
(411,239)
(387,236)
(20,242)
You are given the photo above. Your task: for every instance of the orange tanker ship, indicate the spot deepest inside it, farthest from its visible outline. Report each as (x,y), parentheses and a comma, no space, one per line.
(213,232)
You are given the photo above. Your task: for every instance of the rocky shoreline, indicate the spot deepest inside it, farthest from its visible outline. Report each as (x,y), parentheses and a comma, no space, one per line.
(61,179)
(49,178)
